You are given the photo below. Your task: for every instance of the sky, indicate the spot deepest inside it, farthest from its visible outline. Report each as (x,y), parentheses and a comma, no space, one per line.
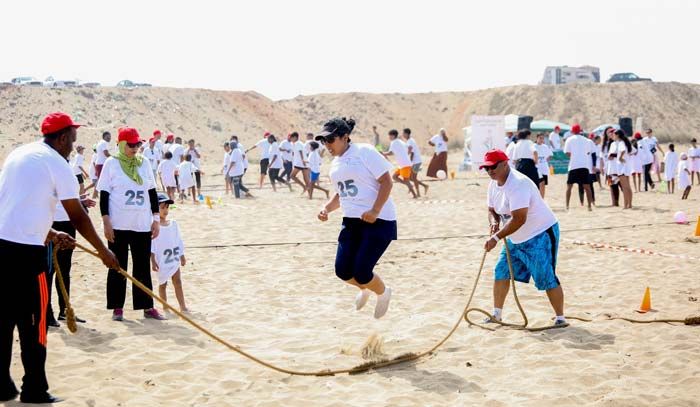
(282,49)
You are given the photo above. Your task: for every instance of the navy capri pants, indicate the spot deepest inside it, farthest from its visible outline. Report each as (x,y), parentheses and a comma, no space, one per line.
(360,246)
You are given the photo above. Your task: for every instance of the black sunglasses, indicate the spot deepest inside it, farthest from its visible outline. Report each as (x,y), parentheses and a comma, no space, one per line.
(329,139)
(134,145)
(492,167)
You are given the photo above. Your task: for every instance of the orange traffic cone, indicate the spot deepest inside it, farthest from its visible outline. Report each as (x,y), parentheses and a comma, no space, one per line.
(208,201)
(452,174)
(646,302)
(697,228)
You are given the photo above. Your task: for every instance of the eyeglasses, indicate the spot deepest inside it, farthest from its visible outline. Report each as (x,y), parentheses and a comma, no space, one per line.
(134,145)
(491,167)
(329,139)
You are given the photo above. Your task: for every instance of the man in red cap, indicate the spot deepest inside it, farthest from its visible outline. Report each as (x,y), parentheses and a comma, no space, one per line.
(579,150)
(158,143)
(555,139)
(26,215)
(517,211)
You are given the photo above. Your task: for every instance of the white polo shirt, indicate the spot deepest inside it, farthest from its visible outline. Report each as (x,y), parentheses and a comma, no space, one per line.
(34,179)
(516,193)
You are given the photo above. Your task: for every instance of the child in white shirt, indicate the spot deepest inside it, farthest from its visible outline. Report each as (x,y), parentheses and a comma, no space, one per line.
(168,254)
(186,171)
(684,180)
(166,173)
(315,166)
(671,168)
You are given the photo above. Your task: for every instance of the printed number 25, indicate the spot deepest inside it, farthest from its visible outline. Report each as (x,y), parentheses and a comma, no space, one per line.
(347,188)
(134,198)
(171,255)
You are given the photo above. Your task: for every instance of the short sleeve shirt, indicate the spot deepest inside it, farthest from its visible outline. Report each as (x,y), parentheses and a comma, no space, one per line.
(440,143)
(400,151)
(129,204)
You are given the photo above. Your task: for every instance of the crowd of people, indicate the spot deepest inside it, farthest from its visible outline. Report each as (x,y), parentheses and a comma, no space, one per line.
(610,158)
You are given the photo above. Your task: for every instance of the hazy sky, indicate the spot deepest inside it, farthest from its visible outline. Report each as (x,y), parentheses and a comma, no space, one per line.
(286,48)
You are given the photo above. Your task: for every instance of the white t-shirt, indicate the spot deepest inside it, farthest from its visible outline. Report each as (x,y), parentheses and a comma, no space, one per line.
(354,176)
(34,179)
(226,162)
(166,169)
(153,156)
(555,141)
(168,247)
(644,145)
(400,151)
(186,170)
(166,148)
(243,154)
(177,151)
(102,146)
(129,204)
(276,156)
(299,156)
(580,149)
(194,157)
(236,163)
(516,193)
(510,150)
(286,145)
(160,147)
(315,161)
(683,176)
(440,144)
(694,163)
(76,163)
(416,159)
(524,149)
(671,165)
(543,152)
(264,147)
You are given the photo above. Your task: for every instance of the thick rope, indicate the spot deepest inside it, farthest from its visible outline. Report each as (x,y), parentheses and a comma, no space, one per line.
(70,314)
(407,357)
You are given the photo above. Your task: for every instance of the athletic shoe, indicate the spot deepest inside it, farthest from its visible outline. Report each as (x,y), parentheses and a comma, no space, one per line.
(10,393)
(62,317)
(118,314)
(560,322)
(361,299)
(45,398)
(491,320)
(153,314)
(382,303)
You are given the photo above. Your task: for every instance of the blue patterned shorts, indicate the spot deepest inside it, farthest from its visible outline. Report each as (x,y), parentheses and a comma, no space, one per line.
(536,257)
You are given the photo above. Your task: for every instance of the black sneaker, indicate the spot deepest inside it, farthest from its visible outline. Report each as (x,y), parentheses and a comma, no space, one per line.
(9,394)
(62,317)
(45,398)
(51,321)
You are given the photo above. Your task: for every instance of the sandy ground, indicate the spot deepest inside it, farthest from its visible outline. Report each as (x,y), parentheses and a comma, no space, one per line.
(284,304)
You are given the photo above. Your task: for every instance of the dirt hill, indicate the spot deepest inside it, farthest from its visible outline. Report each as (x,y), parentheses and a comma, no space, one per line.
(672,109)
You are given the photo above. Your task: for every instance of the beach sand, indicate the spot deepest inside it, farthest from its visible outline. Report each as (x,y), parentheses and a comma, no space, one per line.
(284,304)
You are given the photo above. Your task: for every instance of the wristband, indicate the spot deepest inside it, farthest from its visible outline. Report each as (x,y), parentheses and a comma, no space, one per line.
(156,218)
(495,237)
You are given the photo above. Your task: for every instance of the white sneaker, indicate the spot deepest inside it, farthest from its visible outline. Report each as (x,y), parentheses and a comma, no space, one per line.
(382,303)
(361,299)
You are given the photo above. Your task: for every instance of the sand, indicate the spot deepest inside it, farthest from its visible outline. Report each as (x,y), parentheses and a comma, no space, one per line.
(284,304)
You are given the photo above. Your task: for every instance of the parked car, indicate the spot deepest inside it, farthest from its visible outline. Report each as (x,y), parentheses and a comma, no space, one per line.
(27,81)
(90,85)
(53,83)
(129,84)
(627,77)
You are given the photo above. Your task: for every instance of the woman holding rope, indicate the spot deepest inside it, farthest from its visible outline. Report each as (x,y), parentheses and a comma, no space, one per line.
(533,233)
(129,208)
(362,180)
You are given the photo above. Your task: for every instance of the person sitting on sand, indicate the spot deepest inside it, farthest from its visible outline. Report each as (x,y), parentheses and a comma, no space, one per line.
(362,182)
(533,230)
(168,254)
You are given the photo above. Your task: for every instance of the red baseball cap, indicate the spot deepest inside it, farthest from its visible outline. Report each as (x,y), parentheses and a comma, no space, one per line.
(157,132)
(170,136)
(576,128)
(493,157)
(557,128)
(267,133)
(152,140)
(56,122)
(129,134)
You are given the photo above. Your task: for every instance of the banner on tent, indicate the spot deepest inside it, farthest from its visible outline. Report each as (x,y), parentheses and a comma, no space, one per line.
(488,132)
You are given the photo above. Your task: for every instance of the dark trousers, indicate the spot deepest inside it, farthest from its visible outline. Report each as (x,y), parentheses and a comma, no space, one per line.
(274,176)
(65,260)
(140,245)
(238,186)
(647,177)
(287,173)
(23,301)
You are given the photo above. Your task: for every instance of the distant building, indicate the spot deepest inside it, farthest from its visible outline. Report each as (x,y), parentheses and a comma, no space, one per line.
(555,75)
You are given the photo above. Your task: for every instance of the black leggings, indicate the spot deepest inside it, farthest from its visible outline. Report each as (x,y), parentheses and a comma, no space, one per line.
(647,177)
(274,176)
(65,260)
(287,173)
(23,303)
(140,245)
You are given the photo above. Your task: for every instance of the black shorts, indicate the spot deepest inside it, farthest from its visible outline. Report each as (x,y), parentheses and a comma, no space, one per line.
(264,163)
(300,168)
(578,176)
(198,179)
(360,246)
(545,179)
(80,178)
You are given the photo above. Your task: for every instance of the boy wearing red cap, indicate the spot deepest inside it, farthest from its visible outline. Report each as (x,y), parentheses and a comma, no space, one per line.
(579,150)
(533,231)
(26,216)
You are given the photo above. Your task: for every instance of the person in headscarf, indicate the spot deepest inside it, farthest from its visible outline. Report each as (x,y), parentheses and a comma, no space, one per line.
(439,160)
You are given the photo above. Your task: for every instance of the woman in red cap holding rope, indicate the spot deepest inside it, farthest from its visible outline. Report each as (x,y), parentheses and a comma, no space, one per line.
(130,213)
